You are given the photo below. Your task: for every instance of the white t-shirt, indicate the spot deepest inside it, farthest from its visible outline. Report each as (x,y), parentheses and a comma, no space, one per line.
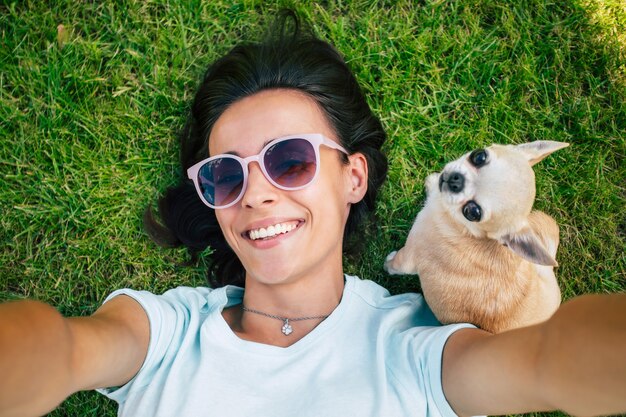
(375,355)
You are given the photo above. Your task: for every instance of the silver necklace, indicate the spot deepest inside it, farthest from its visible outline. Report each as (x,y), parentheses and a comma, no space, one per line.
(286,329)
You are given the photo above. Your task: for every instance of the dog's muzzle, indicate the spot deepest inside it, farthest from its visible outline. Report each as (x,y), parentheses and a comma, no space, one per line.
(453,182)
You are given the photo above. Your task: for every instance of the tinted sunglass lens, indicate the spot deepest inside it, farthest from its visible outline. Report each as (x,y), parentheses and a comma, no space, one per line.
(291,163)
(221,181)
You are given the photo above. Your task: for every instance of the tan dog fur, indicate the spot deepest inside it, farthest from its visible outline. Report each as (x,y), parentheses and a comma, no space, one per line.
(496,273)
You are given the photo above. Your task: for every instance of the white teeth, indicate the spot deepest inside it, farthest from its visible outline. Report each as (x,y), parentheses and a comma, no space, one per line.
(271,231)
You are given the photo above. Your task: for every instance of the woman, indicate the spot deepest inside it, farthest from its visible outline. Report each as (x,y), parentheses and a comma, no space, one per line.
(283,157)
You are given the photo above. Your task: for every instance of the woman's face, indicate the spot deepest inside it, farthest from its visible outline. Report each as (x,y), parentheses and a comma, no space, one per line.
(316,214)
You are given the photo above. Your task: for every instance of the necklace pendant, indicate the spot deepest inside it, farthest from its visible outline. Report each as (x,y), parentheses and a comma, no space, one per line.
(286,328)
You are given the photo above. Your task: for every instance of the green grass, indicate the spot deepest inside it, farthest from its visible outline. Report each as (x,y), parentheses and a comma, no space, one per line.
(88,128)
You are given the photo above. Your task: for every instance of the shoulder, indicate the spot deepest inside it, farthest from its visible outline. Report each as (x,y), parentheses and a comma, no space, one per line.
(410,340)
(193,300)
(378,300)
(174,319)
(177,314)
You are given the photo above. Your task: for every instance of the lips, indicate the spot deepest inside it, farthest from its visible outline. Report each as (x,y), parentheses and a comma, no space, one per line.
(272,230)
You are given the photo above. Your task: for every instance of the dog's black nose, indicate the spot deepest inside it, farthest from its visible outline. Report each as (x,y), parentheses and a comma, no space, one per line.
(456,182)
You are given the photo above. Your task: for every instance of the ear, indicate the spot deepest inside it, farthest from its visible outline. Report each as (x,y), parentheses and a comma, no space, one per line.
(527,245)
(537,150)
(357,177)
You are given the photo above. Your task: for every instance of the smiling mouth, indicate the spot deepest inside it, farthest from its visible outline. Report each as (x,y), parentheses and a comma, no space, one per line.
(272,231)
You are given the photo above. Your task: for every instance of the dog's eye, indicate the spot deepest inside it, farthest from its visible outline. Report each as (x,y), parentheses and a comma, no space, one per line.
(478,157)
(472,211)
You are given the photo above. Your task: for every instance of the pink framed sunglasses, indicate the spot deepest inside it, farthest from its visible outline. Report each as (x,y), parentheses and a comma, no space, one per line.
(289,163)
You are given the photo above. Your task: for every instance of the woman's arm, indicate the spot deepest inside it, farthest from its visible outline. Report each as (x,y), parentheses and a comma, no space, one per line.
(575,362)
(45,357)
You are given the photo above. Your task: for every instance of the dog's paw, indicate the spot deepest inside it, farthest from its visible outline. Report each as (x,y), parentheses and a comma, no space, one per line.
(388,260)
(432,183)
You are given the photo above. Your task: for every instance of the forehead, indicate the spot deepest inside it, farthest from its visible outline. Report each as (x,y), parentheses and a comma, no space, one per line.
(252,121)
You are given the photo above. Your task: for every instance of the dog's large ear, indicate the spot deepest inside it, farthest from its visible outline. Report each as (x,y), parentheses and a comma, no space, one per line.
(537,150)
(526,244)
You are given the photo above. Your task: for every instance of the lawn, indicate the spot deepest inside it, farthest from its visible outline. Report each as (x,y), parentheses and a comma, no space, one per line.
(90,111)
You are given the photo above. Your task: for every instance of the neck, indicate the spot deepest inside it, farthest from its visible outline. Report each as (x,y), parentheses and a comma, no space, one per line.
(319,295)
(303,297)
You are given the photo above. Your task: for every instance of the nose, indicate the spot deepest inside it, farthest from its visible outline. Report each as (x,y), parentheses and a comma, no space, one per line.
(259,191)
(455,182)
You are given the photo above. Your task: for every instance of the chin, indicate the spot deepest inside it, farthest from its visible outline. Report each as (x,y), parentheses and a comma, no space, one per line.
(269,276)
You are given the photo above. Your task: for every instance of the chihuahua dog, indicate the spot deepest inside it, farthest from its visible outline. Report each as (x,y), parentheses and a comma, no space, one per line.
(482,254)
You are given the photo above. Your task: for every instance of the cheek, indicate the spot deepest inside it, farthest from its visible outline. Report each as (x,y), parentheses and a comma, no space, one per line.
(335,193)
(224,219)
